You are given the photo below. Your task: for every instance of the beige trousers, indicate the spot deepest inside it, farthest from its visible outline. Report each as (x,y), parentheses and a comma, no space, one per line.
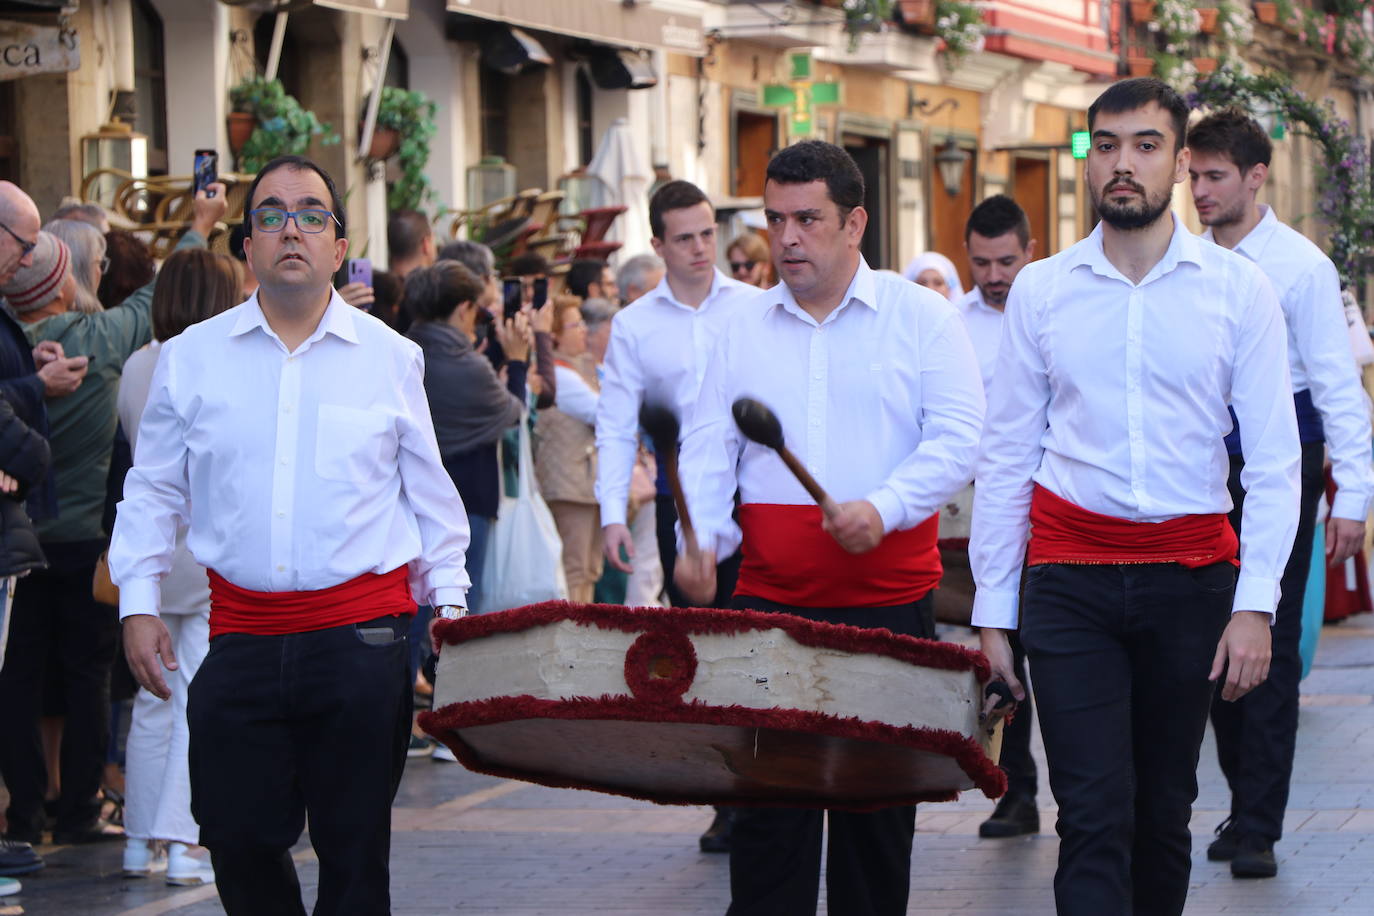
(579,525)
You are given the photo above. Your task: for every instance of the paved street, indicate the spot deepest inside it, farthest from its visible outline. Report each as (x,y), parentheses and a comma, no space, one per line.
(472,844)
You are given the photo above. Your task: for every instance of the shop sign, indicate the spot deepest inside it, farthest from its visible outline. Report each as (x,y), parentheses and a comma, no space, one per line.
(26,50)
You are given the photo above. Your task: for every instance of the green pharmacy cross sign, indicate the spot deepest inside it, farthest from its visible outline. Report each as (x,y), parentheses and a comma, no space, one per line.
(800,94)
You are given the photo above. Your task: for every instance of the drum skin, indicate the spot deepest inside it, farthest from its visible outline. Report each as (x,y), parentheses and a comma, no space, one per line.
(701,706)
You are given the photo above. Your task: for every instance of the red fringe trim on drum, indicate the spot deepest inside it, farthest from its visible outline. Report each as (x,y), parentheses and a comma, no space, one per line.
(444,724)
(924,652)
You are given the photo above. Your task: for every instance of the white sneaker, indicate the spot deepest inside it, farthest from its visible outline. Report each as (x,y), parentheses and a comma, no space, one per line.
(142,858)
(441,752)
(9,886)
(186,870)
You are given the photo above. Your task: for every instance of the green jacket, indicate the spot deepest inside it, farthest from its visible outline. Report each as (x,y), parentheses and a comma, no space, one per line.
(82,424)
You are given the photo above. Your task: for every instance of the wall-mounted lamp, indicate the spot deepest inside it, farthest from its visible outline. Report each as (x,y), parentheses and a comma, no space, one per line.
(951,161)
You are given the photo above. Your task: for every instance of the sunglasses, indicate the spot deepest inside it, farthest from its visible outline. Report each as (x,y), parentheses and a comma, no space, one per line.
(737,266)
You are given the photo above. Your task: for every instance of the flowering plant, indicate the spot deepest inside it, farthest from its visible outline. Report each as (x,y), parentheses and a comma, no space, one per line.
(1235,27)
(865,16)
(960,25)
(1346,205)
(1176,21)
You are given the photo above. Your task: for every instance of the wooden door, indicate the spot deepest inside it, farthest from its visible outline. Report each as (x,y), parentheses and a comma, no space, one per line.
(756,139)
(949,213)
(1031,189)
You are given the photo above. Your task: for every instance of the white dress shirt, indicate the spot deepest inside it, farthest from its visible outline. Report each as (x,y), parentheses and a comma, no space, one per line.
(984,325)
(1113,396)
(574,396)
(881,401)
(1319,357)
(297,470)
(185,589)
(657,354)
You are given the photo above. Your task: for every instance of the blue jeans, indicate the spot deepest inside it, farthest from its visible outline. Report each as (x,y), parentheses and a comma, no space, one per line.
(480,528)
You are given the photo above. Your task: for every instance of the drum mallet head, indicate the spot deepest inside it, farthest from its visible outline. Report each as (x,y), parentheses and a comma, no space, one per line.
(661,425)
(758,422)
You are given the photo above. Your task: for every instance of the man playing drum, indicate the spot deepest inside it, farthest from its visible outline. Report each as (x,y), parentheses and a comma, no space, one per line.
(1104,453)
(878,392)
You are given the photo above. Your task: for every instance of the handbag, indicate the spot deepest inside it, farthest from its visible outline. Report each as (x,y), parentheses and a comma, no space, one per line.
(524,563)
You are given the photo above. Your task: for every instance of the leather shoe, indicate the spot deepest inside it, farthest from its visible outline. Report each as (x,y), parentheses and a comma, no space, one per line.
(1223,848)
(717,836)
(1013,816)
(18,858)
(1254,858)
(97,831)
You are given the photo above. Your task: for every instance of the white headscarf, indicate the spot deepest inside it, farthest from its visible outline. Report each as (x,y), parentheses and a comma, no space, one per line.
(932,260)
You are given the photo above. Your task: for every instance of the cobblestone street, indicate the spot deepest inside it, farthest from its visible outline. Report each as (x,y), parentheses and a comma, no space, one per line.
(465,843)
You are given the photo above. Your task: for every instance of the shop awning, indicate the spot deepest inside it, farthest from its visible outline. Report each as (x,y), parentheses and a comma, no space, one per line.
(392,9)
(638,26)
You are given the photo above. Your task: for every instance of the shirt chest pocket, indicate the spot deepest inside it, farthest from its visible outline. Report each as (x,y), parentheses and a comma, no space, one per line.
(351,443)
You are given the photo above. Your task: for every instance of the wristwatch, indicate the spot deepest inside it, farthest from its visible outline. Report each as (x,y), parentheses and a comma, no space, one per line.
(451,611)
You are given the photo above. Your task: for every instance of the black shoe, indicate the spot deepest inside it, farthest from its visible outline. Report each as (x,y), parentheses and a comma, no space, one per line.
(1223,848)
(717,836)
(1013,816)
(97,831)
(18,858)
(1254,858)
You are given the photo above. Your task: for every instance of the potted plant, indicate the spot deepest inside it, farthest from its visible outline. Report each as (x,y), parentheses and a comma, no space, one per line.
(1207,22)
(1267,12)
(1142,10)
(408,115)
(281,126)
(960,25)
(1205,64)
(917,14)
(1140,64)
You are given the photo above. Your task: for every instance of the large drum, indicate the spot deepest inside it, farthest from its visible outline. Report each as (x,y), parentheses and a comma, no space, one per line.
(954,598)
(696,706)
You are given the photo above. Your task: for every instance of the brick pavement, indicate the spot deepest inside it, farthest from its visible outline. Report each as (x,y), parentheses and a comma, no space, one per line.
(472,844)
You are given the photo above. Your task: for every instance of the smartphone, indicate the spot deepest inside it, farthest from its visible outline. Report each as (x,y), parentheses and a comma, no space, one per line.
(376,636)
(205,171)
(541,293)
(511,295)
(360,271)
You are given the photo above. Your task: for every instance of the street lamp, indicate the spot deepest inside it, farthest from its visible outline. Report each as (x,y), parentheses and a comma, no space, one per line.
(951,161)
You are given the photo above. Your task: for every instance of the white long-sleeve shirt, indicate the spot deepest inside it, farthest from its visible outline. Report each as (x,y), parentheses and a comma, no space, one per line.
(881,401)
(1113,396)
(657,354)
(984,325)
(1319,357)
(297,470)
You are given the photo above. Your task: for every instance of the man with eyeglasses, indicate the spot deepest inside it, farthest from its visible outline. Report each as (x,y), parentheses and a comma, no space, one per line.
(294,434)
(56,620)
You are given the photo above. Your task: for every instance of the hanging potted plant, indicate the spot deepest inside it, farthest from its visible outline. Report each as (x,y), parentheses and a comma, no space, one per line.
(1207,19)
(1140,64)
(1267,12)
(959,24)
(917,14)
(405,123)
(1142,10)
(280,125)
(1204,64)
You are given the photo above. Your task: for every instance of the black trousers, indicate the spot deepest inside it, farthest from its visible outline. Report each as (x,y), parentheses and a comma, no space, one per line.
(1256,734)
(775,853)
(727,570)
(1016,759)
(55,621)
(288,726)
(1121,656)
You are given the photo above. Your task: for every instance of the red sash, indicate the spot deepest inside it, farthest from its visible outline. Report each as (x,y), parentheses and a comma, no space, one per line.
(1062,532)
(371,595)
(788,558)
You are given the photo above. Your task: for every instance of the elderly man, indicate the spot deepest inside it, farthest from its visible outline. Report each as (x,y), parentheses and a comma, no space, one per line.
(294,434)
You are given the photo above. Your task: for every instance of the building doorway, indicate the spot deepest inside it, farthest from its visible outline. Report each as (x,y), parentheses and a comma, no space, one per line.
(949,212)
(1030,188)
(756,139)
(872,155)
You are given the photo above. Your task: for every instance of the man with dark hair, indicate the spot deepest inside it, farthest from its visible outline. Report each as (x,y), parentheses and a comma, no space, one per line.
(1102,466)
(589,278)
(293,433)
(657,354)
(998,243)
(876,387)
(409,242)
(1256,736)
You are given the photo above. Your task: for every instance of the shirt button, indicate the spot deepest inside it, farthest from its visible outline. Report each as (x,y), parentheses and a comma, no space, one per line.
(284,462)
(286,409)
(281,515)
(281,569)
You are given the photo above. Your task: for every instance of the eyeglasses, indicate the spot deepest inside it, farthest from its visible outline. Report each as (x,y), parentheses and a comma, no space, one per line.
(24,247)
(273,219)
(737,266)
(105,264)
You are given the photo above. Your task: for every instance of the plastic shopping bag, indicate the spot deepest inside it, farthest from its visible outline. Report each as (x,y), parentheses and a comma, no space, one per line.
(524,563)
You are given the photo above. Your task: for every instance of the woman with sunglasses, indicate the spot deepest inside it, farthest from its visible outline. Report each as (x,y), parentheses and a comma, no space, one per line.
(748,257)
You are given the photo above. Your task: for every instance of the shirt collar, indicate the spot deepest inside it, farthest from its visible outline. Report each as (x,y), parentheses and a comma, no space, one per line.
(1255,241)
(973,300)
(863,289)
(1183,246)
(719,283)
(338,319)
